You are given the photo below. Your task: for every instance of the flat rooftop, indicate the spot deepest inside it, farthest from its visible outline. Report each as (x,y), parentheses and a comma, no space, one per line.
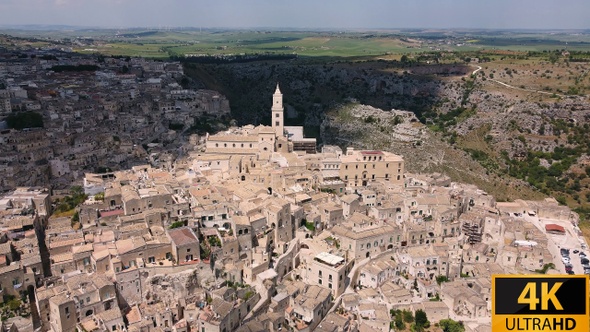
(329,258)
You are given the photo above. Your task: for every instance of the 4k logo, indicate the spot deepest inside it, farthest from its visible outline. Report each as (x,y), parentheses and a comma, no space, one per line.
(529,296)
(540,303)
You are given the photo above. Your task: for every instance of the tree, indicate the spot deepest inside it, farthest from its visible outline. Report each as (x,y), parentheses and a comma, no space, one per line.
(449,325)
(421,320)
(408,316)
(398,320)
(404,58)
(441,279)
(14,304)
(176,224)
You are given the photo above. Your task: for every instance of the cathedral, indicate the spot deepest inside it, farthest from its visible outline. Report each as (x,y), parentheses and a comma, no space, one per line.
(263,140)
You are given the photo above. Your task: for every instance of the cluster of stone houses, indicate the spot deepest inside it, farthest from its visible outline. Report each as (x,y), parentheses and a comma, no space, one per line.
(106,118)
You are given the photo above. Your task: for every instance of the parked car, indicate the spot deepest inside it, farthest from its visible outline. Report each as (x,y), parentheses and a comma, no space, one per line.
(565,260)
(569,269)
(582,255)
(584,261)
(570,272)
(576,251)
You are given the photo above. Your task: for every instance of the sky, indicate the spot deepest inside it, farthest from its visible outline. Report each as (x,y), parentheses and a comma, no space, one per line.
(334,14)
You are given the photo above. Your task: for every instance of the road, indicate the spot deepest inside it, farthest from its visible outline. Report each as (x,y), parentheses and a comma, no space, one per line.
(569,241)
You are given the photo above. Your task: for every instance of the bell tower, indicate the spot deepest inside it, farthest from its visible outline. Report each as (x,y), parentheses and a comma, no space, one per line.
(277,112)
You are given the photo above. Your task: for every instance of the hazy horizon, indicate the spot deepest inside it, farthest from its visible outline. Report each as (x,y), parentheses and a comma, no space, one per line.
(303,14)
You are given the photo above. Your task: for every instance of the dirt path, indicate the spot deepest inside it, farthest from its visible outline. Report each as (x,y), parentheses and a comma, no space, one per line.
(514,87)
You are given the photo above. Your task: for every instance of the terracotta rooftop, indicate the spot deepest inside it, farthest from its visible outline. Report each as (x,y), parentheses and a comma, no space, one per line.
(182,236)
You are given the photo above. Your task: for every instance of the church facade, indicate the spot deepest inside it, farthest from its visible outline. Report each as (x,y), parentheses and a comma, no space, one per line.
(262,140)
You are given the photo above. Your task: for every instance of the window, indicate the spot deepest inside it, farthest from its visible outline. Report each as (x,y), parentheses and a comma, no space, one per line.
(188,249)
(386,165)
(67,310)
(276,115)
(277,123)
(387,176)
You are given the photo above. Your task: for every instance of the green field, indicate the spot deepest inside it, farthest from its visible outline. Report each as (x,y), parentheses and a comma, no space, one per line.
(180,42)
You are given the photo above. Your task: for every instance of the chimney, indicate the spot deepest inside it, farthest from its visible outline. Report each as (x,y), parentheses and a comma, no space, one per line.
(349,151)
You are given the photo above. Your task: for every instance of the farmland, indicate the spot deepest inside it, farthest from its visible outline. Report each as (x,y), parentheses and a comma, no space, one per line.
(163,43)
